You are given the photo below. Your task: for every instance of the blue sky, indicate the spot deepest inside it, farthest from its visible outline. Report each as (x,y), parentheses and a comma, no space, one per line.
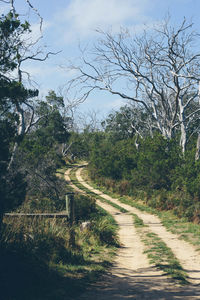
(70,22)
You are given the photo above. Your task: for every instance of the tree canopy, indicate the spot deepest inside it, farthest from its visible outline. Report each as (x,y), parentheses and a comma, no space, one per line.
(158,71)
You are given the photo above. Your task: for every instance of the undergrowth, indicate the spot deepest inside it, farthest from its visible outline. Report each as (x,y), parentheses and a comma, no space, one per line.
(38,262)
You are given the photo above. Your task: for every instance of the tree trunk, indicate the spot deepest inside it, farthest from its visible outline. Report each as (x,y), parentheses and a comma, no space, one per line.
(197,148)
(183,138)
(198,138)
(12,155)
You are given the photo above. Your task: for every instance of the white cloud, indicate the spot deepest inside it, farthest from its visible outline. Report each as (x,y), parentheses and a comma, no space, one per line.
(115,104)
(4,9)
(83,17)
(36,33)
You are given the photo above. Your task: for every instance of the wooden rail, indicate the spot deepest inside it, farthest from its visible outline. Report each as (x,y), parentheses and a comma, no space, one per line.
(44,215)
(68,213)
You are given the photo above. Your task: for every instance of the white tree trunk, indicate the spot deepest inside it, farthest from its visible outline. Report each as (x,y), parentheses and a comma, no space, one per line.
(197,148)
(183,138)
(198,137)
(12,155)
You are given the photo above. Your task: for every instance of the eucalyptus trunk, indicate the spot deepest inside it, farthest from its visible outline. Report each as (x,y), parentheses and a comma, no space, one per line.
(197,148)
(183,138)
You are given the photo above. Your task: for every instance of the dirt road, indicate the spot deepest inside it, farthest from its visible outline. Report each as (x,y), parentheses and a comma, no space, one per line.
(132,276)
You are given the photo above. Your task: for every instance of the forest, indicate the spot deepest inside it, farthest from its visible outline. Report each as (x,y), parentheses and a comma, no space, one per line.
(147,150)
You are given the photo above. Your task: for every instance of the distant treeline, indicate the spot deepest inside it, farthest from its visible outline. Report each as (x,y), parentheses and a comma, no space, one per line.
(151,168)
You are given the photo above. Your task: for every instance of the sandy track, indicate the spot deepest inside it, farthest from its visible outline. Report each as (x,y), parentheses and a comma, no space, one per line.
(185,253)
(131,276)
(127,236)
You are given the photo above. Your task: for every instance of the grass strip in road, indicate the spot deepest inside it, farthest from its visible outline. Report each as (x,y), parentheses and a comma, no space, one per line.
(159,254)
(163,258)
(138,222)
(187,231)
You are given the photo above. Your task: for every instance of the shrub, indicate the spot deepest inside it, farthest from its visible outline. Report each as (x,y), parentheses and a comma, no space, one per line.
(105,232)
(85,206)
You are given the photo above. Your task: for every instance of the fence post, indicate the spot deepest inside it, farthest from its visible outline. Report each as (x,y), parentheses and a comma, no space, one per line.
(70,212)
(67,206)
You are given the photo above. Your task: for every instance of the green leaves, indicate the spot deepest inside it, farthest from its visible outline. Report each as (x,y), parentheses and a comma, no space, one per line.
(11,36)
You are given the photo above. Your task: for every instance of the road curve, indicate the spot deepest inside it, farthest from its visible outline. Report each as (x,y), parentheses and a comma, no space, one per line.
(131,276)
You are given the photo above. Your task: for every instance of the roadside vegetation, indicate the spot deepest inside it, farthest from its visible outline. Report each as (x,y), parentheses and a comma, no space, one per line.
(38,261)
(155,173)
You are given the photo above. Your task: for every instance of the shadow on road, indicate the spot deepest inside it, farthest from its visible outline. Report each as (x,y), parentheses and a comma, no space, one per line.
(137,286)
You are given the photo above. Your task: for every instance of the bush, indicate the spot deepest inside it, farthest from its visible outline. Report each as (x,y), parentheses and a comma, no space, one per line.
(85,206)
(157,172)
(105,231)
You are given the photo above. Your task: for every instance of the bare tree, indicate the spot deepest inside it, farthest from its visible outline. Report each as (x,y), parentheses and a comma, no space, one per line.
(159,71)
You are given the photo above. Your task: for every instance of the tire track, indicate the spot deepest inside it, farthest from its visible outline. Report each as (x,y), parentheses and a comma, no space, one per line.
(185,253)
(131,276)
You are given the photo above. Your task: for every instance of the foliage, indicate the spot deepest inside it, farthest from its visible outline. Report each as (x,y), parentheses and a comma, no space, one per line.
(126,123)
(11,31)
(156,160)
(37,250)
(12,94)
(80,145)
(155,171)
(41,154)
(85,207)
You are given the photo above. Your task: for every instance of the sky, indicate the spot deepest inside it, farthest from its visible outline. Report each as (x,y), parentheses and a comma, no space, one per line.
(70,23)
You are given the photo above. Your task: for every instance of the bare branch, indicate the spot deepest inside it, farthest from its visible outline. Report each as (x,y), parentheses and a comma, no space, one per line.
(157,71)
(34,56)
(37,12)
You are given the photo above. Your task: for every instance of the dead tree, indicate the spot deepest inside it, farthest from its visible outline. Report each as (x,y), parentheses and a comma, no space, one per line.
(158,71)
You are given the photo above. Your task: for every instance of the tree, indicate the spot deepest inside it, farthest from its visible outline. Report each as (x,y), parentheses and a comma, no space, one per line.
(17,103)
(12,95)
(40,149)
(16,48)
(159,71)
(128,122)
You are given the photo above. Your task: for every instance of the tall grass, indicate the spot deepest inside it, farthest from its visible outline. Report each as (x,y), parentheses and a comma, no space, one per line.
(37,261)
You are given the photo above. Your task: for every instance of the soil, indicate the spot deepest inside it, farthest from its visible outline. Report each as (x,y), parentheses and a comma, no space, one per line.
(131,275)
